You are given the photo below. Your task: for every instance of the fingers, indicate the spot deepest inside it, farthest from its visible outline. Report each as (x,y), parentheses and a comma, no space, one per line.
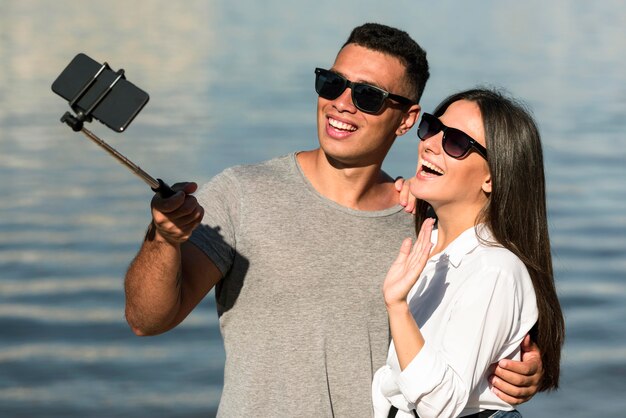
(399,182)
(412,259)
(513,387)
(529,346)
(422,243)
(405,250)
(182,220)
(528,371)
(408,266)
(517,374)
(512,400)
(176,217)
(406,199)
(411,204)
(403,187)
(399,278)
(186,187)
(517,381)
(421,250)
(173,202)
(424,236)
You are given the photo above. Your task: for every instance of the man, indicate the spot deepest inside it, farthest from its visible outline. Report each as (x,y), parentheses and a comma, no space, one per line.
(297,248)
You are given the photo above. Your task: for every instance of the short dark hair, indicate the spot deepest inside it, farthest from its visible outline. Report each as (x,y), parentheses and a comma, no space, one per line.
(399,44)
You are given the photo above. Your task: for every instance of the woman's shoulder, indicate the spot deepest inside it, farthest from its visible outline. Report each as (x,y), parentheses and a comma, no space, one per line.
(490,255)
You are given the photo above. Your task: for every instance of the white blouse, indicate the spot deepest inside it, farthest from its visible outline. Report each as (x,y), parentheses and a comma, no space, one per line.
(474,304)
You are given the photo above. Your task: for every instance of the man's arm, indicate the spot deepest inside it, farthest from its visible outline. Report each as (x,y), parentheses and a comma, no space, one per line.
(169,276)
(515,382)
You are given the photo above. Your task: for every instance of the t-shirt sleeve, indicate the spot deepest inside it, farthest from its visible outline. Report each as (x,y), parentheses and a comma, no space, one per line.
(216,236)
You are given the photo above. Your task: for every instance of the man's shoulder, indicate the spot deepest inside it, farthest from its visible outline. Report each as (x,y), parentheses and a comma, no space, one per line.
(277,164)
(249,182)
(280,170)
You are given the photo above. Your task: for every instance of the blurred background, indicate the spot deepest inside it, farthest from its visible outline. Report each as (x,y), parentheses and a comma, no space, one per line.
(231,83)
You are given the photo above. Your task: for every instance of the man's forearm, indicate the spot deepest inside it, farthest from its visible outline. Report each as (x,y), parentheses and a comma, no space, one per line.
(153,287)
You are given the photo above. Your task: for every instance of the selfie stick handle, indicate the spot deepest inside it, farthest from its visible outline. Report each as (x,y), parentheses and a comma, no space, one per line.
(158,185)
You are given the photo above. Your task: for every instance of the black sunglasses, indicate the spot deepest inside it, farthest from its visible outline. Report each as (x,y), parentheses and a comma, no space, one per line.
(366,98)
(455,142)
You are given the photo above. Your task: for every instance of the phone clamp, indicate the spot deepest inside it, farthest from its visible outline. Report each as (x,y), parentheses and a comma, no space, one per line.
(76,122)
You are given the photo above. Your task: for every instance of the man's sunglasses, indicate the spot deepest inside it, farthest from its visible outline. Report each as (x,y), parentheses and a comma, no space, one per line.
(366,98)
(455,142)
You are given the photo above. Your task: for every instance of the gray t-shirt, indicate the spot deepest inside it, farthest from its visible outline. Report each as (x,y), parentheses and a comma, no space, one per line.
(300,305)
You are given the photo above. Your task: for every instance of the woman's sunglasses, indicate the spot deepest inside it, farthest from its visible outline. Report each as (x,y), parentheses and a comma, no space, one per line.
(455,143)
(366,98)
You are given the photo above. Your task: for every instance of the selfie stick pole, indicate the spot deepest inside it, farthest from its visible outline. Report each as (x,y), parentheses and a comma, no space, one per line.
(157,185)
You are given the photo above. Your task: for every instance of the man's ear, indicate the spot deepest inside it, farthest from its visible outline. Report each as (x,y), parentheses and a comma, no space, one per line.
(487,184)
(408,119)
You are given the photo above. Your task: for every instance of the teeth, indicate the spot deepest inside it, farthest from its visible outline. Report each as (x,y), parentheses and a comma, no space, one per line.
(341,125)
(432,167)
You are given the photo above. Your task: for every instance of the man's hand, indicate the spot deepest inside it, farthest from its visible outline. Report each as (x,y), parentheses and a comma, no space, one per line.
(175,218)
(516,382)
(406,198)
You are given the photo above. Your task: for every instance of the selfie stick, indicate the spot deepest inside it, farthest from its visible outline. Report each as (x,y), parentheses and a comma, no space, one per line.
(76,123)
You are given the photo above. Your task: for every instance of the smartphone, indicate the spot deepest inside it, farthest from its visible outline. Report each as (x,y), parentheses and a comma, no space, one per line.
(120,105)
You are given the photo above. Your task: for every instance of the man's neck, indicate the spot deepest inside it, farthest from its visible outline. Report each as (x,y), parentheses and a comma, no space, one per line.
(365,188)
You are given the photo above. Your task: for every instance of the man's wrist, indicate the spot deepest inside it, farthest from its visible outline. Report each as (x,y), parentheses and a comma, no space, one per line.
(154,235)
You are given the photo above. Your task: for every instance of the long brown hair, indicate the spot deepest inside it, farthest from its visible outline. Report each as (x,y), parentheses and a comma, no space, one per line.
(516,209)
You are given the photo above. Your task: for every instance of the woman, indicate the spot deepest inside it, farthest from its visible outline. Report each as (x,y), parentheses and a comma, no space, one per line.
(488,280)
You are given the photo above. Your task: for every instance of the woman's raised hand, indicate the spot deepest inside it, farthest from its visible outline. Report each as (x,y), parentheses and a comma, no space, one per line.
(408,266)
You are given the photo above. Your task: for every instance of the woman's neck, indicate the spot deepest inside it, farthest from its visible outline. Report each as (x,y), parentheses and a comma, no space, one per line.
(451,224)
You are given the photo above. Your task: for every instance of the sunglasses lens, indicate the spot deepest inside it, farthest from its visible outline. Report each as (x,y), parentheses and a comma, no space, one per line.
(456,143)
(368,98)
(429,126)
(329,85)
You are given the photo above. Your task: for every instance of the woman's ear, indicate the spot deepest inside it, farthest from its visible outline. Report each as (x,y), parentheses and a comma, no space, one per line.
(487,184)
